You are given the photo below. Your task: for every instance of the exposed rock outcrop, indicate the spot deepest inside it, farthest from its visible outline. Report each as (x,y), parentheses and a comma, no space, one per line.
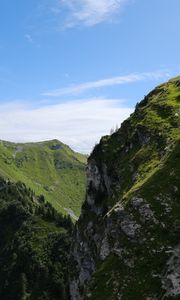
(126,244)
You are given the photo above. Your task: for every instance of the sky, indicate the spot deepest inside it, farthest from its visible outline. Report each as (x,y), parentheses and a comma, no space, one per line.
(73,69)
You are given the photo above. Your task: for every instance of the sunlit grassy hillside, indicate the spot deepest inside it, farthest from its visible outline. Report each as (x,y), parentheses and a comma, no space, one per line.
(50,168)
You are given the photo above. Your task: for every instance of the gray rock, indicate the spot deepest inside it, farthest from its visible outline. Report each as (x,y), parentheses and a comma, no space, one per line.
(171,279)
(130,228)
(105,248)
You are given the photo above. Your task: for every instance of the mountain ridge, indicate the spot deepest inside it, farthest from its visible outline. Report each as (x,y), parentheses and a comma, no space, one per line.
(126,242)
(50,168)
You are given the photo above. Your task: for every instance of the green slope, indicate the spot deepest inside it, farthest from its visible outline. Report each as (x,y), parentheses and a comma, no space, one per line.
(142,144)
(130,222)
(50,168)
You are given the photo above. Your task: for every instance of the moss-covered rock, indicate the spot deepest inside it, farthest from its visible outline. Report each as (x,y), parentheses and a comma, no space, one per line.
(126,243)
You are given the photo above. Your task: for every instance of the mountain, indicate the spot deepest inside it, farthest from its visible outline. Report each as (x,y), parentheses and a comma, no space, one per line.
(50,168)
(126,243)
(34,245)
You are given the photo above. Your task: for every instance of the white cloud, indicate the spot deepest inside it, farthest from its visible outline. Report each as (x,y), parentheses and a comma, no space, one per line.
(91,12)
(79,124)
(29,38)
(118,80)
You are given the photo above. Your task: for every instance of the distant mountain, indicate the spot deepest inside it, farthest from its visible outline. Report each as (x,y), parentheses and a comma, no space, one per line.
(127,239)
(50,168)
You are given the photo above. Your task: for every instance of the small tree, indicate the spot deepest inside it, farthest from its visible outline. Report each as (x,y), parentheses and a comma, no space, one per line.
(22,287)
(117,127)
(111,131)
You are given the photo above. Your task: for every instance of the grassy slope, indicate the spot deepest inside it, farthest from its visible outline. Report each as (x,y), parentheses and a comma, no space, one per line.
(156,164)
(157,119)
(49,168)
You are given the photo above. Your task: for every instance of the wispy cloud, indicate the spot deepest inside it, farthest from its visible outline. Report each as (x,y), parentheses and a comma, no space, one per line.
(29,38)
(91,12)
(118,80)
(79,123)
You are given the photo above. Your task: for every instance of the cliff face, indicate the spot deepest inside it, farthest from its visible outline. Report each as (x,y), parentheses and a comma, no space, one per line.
(127,242)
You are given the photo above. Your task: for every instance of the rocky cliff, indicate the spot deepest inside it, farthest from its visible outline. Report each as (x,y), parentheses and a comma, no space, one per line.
(127,240)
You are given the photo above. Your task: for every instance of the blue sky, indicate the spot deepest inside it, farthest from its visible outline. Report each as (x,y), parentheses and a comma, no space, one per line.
(73,69)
